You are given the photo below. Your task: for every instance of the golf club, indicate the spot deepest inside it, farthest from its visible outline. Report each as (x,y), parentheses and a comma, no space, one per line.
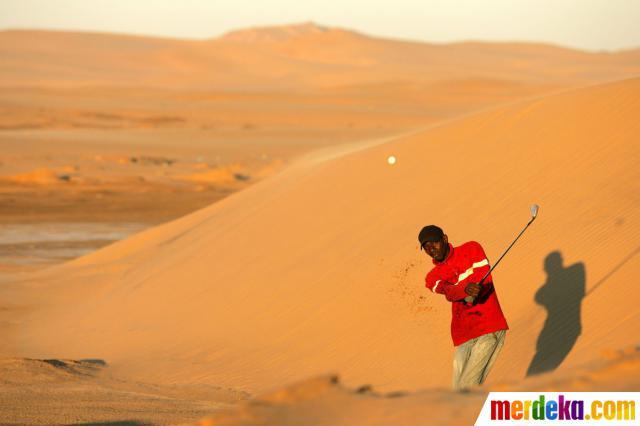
(534,213)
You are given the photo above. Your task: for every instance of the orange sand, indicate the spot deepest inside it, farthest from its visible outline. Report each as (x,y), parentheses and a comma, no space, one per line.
(316,270)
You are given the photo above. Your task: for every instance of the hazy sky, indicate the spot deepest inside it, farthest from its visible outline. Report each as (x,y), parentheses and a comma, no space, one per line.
(586,24)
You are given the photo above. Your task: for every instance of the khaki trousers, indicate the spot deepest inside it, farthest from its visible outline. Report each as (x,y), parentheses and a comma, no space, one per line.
(474,358)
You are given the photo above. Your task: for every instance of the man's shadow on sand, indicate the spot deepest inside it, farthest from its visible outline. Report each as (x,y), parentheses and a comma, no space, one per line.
(561,295)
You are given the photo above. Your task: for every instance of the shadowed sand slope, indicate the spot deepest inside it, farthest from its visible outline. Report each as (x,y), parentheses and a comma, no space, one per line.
(317,269)
(288,57)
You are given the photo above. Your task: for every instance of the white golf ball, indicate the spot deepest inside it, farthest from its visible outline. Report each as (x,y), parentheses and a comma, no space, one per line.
(391,160)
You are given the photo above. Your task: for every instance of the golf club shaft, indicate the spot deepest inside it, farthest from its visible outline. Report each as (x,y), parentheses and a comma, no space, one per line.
(471,298)
(505,252)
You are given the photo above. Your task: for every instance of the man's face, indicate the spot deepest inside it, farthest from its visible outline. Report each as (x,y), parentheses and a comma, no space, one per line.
(437,249)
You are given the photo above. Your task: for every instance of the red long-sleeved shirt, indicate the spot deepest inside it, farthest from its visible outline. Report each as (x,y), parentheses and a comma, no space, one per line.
(463,265)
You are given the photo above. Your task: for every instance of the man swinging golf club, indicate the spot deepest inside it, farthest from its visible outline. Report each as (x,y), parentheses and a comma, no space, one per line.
(478,326)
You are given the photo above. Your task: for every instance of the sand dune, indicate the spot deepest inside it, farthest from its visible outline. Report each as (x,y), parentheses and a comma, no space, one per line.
(57,391)
(256,98)
(313,271)
(287,57)
(317,270)
(324,401)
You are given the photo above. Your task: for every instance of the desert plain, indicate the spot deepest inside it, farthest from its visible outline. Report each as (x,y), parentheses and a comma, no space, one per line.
(210,232)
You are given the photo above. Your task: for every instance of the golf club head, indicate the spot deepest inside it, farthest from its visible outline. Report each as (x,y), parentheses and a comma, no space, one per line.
(534,210)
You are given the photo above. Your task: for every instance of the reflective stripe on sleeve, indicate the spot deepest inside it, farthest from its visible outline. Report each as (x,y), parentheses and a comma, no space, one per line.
(469,271)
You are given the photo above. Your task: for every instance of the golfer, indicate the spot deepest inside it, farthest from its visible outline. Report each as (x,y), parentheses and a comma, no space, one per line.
(478,326)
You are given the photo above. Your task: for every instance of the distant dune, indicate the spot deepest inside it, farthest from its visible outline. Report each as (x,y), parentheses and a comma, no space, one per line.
(287,57)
